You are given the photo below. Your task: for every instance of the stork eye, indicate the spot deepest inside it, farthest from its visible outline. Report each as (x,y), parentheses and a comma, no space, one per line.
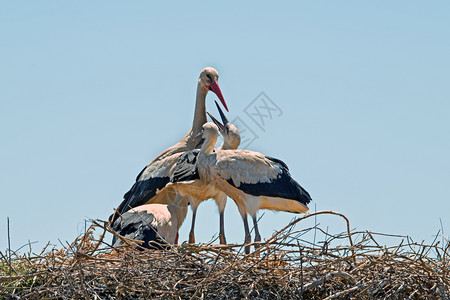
(209,77)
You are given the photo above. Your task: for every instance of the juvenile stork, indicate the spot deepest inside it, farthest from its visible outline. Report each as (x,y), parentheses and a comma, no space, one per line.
(254,181)
(185,166)
(155,175)
(153,224)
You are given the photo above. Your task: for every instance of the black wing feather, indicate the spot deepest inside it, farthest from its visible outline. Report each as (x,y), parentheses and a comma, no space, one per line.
(284,186)
(278,161)
(141,192)
(137,226)
(186,167)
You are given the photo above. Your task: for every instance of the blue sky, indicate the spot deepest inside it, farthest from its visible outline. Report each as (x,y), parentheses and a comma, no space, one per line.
(90,92)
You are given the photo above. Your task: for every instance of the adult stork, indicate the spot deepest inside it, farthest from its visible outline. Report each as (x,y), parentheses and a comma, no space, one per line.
(186,167)
(155,175)
(153,224)
(253,180)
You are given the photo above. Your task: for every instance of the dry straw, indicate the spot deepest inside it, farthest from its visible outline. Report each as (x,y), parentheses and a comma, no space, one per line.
(350,265)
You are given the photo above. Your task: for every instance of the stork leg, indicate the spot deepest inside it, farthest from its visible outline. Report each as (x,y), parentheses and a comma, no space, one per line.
(243,211)
(248,238)
(257,235)
(223,241)
(191,234)
(221,201)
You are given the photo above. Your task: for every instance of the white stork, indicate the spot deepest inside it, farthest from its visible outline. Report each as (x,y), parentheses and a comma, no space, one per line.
(254,181)
(153,224)
(231,140)
(155,176)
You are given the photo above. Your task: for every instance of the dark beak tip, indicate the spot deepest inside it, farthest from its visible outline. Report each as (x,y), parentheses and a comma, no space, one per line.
(222,115)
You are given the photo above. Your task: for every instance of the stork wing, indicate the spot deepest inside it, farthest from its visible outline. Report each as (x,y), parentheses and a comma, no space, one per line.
(243,166)
(259,175)
(152,179)
(186,167)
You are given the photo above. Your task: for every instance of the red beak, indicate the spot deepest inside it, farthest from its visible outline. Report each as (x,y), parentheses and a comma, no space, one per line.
(214,86)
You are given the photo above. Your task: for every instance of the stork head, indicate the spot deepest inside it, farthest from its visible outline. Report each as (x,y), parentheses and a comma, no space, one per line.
(208,81)
(209,133)
(230,133)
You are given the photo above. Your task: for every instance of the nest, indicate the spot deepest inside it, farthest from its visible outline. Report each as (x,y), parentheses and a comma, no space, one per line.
(350,265)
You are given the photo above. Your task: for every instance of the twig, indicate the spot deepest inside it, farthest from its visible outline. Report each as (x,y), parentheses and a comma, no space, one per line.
(345,292)
(327,277)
